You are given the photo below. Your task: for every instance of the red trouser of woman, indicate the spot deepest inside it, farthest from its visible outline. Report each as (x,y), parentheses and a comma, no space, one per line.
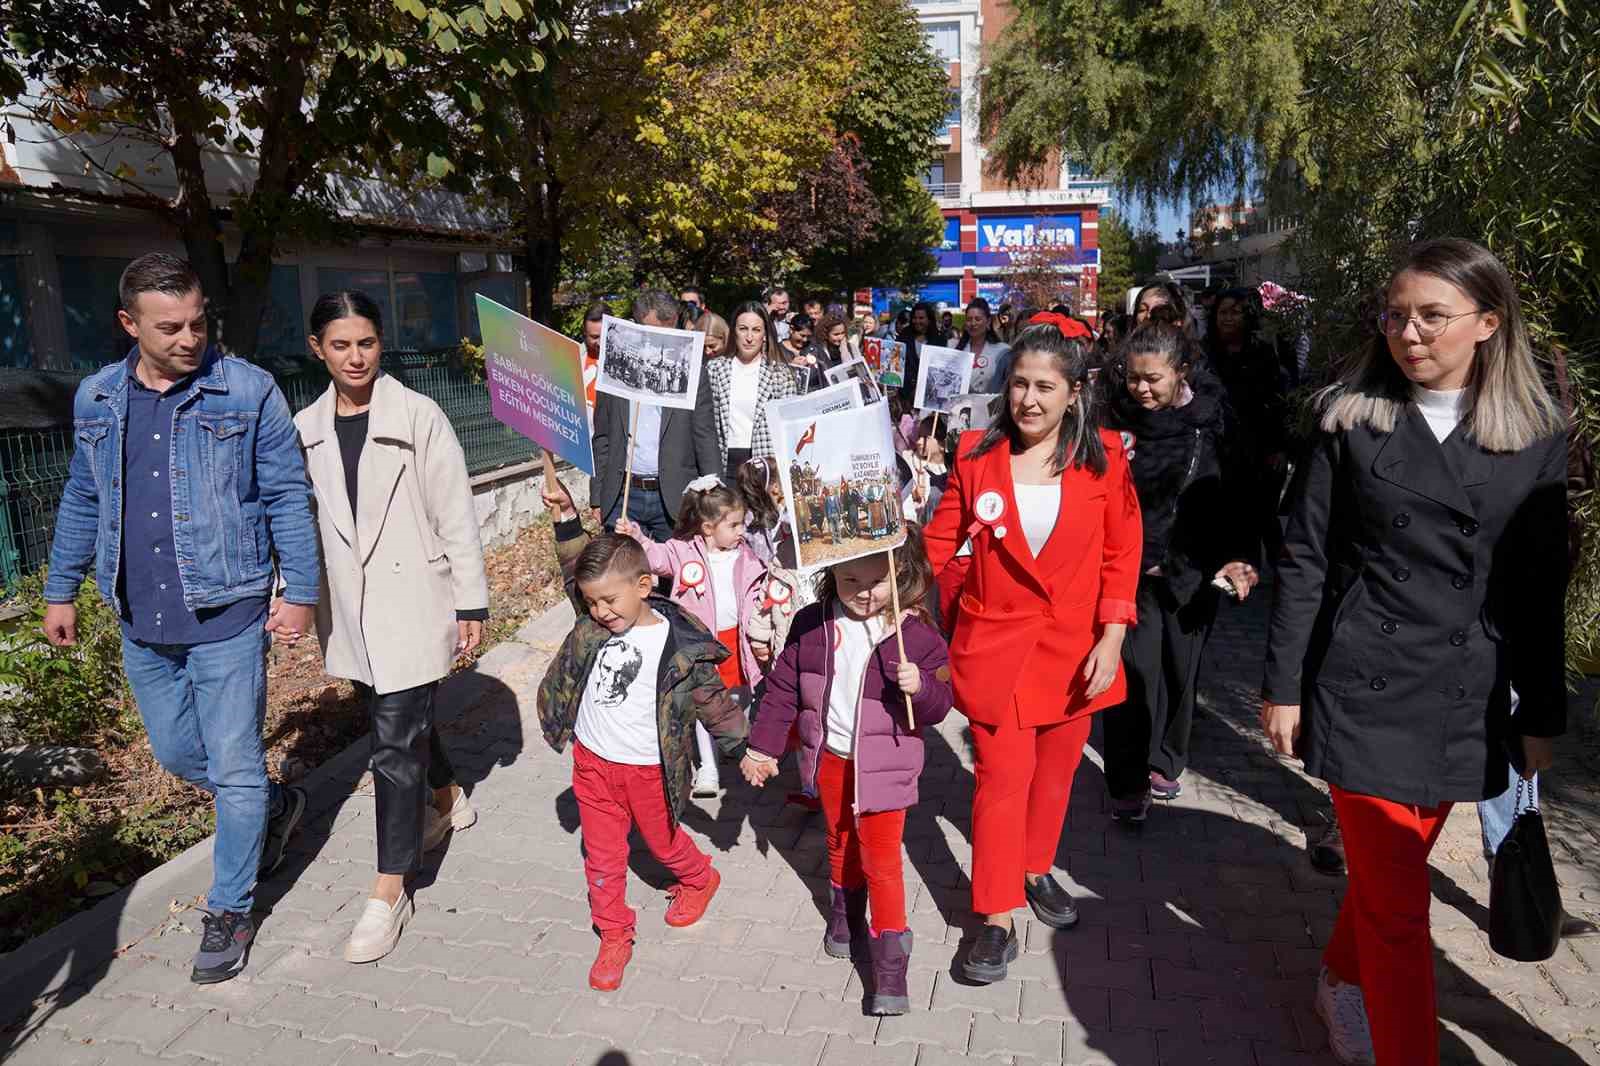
(1024,783)
(1381,940)
(863,849)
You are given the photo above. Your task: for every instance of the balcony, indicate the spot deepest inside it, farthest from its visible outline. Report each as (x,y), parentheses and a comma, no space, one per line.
(943,190)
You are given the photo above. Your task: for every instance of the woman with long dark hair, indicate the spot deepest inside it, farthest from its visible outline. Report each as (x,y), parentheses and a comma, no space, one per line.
(1044,505)
(1174,417)
(922,327)
(742,385)
(991,356)
(1419,600)
(405,588)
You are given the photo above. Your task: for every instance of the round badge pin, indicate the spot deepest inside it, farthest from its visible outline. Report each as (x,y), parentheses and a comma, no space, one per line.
(991,505)
(1000,532)
(693,574)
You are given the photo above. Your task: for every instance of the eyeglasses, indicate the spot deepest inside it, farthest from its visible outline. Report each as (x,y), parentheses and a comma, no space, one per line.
(1430,324)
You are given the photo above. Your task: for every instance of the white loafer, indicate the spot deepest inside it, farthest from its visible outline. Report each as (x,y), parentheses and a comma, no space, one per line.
(378,929)
(463,815)
(1343,1010)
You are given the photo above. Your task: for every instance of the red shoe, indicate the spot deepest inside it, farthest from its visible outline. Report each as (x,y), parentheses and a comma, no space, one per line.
(689,904)
(616,950)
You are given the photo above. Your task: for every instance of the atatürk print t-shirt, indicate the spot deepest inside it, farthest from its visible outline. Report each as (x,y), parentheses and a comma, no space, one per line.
(617,718)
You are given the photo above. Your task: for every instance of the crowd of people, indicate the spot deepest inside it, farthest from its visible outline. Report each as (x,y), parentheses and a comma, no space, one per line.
(1065,561)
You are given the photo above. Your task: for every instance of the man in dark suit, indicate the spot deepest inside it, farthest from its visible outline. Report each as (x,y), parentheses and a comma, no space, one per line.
(671,447)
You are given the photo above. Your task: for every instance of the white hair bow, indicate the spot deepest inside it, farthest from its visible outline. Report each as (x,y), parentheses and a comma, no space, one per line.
(705,483)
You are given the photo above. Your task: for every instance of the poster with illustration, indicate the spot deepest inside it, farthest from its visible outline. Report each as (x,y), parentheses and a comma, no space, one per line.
(535,381)
(975,410)
(651,364)
(887,360)
(840,486)
(942,375)
(840,397)
(856,370)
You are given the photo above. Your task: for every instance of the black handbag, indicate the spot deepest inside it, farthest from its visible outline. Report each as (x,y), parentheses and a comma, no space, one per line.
(1524,899)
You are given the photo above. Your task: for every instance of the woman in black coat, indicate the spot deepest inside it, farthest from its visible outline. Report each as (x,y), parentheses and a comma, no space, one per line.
(1422,579)
(1174,418)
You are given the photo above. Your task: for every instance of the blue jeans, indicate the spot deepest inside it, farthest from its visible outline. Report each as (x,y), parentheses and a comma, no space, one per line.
(1498,814)
(648,511)
(203,706)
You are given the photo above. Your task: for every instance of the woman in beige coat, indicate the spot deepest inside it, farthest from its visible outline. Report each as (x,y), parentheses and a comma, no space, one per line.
(403,587)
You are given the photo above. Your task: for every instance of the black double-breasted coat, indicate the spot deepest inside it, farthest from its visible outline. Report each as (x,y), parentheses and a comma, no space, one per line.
(1419,582)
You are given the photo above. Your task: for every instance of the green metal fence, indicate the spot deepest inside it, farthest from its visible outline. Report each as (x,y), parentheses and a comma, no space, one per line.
(33,464)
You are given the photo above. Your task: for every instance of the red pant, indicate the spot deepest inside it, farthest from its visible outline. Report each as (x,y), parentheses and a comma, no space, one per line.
(864,848)
(1381,939)
(731,669)
(1024,781)
(613,797)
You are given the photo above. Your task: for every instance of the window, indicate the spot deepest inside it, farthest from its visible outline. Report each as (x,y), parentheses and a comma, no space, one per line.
(375,283)
(283,326)
(945,40)
(952,117)
(504,289)
(89,301)
(426,315)
(16,347)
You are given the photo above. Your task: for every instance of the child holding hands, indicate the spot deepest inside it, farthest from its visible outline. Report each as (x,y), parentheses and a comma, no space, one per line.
(720,582)
(842,685)
(631,679)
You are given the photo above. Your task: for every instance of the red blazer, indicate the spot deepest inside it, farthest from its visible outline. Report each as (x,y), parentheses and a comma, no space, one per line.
(1023,626)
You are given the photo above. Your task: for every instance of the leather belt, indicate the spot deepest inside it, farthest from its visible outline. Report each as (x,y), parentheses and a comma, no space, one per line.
(652,484)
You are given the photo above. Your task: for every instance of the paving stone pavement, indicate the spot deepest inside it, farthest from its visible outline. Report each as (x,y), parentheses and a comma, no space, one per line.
(1199,940)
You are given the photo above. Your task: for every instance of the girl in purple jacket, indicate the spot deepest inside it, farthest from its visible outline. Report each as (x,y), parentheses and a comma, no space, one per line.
(841,685)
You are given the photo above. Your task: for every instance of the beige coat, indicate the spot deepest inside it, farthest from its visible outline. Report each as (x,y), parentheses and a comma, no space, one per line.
(395,573)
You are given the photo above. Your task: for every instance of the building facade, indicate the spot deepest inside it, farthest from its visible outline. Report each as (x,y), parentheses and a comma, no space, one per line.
(1053,223)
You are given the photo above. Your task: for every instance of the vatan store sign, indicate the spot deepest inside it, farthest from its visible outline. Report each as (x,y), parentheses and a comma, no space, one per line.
(1000,235)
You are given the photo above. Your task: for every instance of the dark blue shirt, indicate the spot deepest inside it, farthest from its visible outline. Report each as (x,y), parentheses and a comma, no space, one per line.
(148,583)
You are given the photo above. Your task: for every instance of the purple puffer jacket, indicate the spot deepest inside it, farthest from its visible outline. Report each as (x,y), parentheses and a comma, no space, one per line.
(888,755)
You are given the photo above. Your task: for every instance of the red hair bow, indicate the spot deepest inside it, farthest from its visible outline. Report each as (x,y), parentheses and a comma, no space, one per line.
(1070,328)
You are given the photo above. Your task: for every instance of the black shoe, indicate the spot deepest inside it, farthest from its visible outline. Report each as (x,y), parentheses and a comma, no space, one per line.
(991,952)
(1327,851)
(1050,903)
(225,941)
(280,828)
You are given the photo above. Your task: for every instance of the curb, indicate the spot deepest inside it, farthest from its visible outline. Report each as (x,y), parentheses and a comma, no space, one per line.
(141,908)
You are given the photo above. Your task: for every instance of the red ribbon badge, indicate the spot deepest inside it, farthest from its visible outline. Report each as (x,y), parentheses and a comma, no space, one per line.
(778,595)
(692,578)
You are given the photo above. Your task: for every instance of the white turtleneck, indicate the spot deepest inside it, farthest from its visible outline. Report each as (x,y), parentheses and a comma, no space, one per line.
(1442,408)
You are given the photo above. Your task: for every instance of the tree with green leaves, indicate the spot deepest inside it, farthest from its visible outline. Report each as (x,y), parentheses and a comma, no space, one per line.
(310,96)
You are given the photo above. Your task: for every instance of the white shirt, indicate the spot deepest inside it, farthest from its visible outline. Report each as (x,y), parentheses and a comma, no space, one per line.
(646,458)
(723,591)
(617,718)
(1442,408)
(1040,505)
(850,657)
(743,390)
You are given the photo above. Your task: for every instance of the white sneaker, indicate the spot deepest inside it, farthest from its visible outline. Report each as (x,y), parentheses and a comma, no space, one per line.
(1344,1011)
(707,783)
(463,815)
(378,929)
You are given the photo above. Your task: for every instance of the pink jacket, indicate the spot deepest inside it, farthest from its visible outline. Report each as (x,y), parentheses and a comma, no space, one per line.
(696,596)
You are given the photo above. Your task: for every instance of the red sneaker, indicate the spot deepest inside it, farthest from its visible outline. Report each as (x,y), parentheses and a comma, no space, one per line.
(616,950)
(689,904)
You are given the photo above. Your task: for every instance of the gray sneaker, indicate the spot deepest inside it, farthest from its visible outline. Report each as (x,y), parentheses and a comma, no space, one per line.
(280,828)
(225,941)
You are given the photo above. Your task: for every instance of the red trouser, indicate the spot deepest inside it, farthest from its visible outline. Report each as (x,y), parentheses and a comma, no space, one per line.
(612,797)
(1381,939)
(731,669)
(863,848)
(1024,780)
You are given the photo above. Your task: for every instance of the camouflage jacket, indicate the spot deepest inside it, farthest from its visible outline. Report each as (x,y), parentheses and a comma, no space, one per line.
(688,687)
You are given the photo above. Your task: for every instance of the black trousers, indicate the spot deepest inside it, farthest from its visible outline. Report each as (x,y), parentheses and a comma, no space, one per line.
(1161,655)
(408,764)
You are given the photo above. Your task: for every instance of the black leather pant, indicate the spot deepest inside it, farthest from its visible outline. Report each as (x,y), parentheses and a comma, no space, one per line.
(408,764)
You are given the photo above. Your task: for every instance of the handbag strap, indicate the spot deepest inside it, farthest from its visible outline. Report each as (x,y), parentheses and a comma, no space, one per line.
(1516,802)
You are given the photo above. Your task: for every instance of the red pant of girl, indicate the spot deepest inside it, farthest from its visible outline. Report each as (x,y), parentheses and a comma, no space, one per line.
(1381,940)
(1020,803)
(864,848)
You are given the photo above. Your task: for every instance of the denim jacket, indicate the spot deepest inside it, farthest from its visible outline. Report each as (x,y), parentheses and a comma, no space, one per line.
(240,497)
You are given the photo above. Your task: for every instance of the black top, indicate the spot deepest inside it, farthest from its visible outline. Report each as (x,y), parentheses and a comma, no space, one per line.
(352,433)
(1419,583)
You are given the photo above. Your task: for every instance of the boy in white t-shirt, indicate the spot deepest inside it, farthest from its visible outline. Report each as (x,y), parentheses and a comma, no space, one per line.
(627,687)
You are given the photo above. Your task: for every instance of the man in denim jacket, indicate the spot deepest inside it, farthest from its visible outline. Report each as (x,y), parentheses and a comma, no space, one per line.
(186,485)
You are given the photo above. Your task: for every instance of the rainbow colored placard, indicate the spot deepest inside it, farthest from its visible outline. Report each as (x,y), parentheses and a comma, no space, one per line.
(535,378)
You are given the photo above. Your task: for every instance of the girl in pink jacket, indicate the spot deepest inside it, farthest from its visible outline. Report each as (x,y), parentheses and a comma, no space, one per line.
(718,579)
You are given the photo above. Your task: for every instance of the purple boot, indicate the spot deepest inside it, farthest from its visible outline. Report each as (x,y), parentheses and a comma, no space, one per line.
(891,954)
(847,924)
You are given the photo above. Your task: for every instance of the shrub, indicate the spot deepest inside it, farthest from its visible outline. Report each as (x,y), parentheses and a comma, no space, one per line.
(63,695)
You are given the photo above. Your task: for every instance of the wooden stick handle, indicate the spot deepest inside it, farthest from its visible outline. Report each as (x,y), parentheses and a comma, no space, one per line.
(627,470)
(899,637)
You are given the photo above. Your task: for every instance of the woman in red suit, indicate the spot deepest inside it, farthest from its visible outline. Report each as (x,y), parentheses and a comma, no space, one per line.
(1044,505)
